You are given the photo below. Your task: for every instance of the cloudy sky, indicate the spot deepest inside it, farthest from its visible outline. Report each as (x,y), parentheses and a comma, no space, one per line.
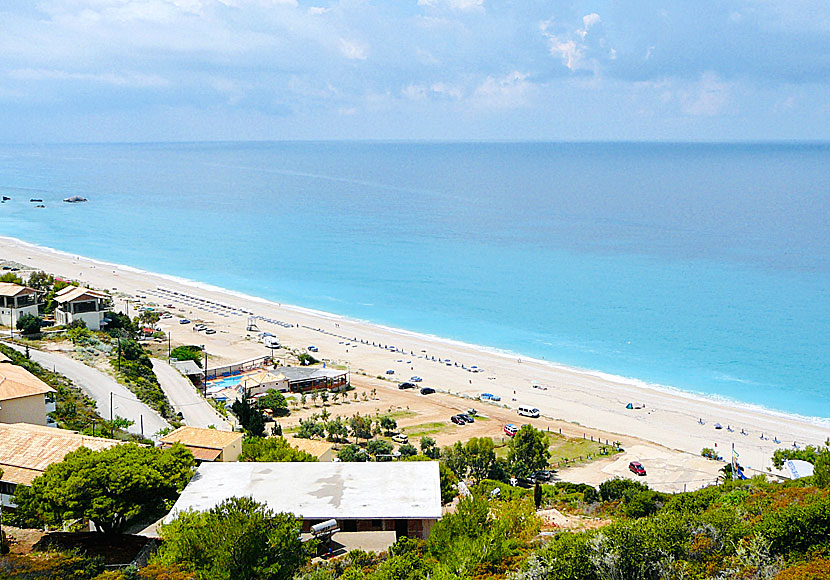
(158,70)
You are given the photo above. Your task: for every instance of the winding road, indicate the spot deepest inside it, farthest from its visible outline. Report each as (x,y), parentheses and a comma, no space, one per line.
(102,388)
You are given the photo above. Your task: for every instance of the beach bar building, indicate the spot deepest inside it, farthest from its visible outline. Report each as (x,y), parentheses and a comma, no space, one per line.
(206,444)
(402,497)
(77,303)
(27,450)
(24,398)
(16,301)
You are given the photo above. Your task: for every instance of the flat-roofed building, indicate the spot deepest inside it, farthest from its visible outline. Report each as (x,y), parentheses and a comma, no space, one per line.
(24,398)
(301,379)
(16,301)
(27,450)
(206,444)
(78,303)
(403,497)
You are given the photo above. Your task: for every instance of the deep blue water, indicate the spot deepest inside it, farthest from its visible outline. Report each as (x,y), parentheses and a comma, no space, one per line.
(700,266)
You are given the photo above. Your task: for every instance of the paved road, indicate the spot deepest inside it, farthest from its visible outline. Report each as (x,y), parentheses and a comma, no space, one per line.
(99,386)
(184,398)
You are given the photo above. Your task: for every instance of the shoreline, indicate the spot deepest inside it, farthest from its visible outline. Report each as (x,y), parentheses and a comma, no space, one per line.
(584,397)
(701,397)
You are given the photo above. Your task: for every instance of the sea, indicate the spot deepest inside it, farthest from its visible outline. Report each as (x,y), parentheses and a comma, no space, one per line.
(693,266)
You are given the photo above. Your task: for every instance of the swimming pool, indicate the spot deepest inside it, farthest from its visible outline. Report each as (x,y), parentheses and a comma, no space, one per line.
(231,381)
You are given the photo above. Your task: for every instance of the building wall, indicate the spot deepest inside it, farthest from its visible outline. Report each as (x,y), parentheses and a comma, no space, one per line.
(24,410)
(232,451)
(91,319)
(415,528)
(10,316)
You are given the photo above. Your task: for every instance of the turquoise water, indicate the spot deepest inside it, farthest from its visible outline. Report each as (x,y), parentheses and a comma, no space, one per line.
(699,266)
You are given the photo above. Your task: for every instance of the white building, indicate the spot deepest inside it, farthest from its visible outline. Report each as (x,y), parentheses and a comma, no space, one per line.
(15,301)
(77,303)
(402,497)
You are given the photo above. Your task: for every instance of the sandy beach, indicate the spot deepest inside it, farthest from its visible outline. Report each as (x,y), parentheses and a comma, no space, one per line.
(579,401)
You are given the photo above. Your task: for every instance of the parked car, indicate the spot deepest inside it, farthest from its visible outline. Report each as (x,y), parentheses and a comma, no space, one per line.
(542,475)
(489,397)
(415,379)
(467,417)
(510,429)
(406,386)
(400,438)
(427,390)
(184,321)
(312,348)
(199,327)
(637,468)
(390,372)
(271,342)
(210,331)
(457,420)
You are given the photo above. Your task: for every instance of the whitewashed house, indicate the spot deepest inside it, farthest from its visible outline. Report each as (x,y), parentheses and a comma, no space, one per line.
(16,301)
(78,303)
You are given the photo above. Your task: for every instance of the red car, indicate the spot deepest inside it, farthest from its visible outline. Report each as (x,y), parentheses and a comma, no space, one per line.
(637,468)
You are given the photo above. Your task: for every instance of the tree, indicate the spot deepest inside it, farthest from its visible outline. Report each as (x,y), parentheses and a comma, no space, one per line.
(271,449)
(29,324)
(249,416)
(361,427)
(337,430)
(481,457)
(111,488)
(149,317)
(40,281)
(274,401)
(310,428)
(240,539)
(407,450)
(429,447)
(188,352)
(353,453)
(528,452)
(388,425)
(11,277)
(379,447)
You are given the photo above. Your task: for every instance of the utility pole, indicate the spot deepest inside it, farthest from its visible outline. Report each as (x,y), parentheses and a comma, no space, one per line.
(112,425)
(168,347)
(118,338)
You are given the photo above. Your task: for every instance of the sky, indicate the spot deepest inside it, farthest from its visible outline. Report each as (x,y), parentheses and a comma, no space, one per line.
(470,70)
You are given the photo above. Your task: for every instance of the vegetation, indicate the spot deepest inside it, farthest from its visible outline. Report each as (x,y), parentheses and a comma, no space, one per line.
(250,417)
(74,410)
(275,402)
(188,352)
(111,488)
(11,277)
(239,539)
(29,324)
(271,449)
(134,369)
(528,452)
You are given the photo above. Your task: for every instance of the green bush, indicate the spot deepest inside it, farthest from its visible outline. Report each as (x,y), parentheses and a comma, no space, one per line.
(29,324)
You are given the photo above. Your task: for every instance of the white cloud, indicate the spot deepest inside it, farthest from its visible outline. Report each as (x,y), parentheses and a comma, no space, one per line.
(455,5)
(508,92)
(578,50)
(123,80)
(588,21)
(706,98)
(439,90)
(353,50)
(317,10)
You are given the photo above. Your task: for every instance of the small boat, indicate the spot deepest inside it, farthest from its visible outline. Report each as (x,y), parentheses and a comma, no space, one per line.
(6,198)
(40,205)
(75,199)
(34,200)
(718,426)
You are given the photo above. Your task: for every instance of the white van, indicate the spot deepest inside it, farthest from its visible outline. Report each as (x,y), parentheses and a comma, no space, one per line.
(271,342)
(526,411)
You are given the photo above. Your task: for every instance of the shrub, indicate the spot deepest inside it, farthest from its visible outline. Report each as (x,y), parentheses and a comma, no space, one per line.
(29,324)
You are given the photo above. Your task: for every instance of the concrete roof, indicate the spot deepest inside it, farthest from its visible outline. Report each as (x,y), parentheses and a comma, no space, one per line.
(12,289)
(17,382)
(301,373)
(73,293)
(27,450)
(197,437)
(385,490)
(187,367)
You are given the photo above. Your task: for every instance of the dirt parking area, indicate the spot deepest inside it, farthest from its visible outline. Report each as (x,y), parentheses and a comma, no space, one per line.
(417,415)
